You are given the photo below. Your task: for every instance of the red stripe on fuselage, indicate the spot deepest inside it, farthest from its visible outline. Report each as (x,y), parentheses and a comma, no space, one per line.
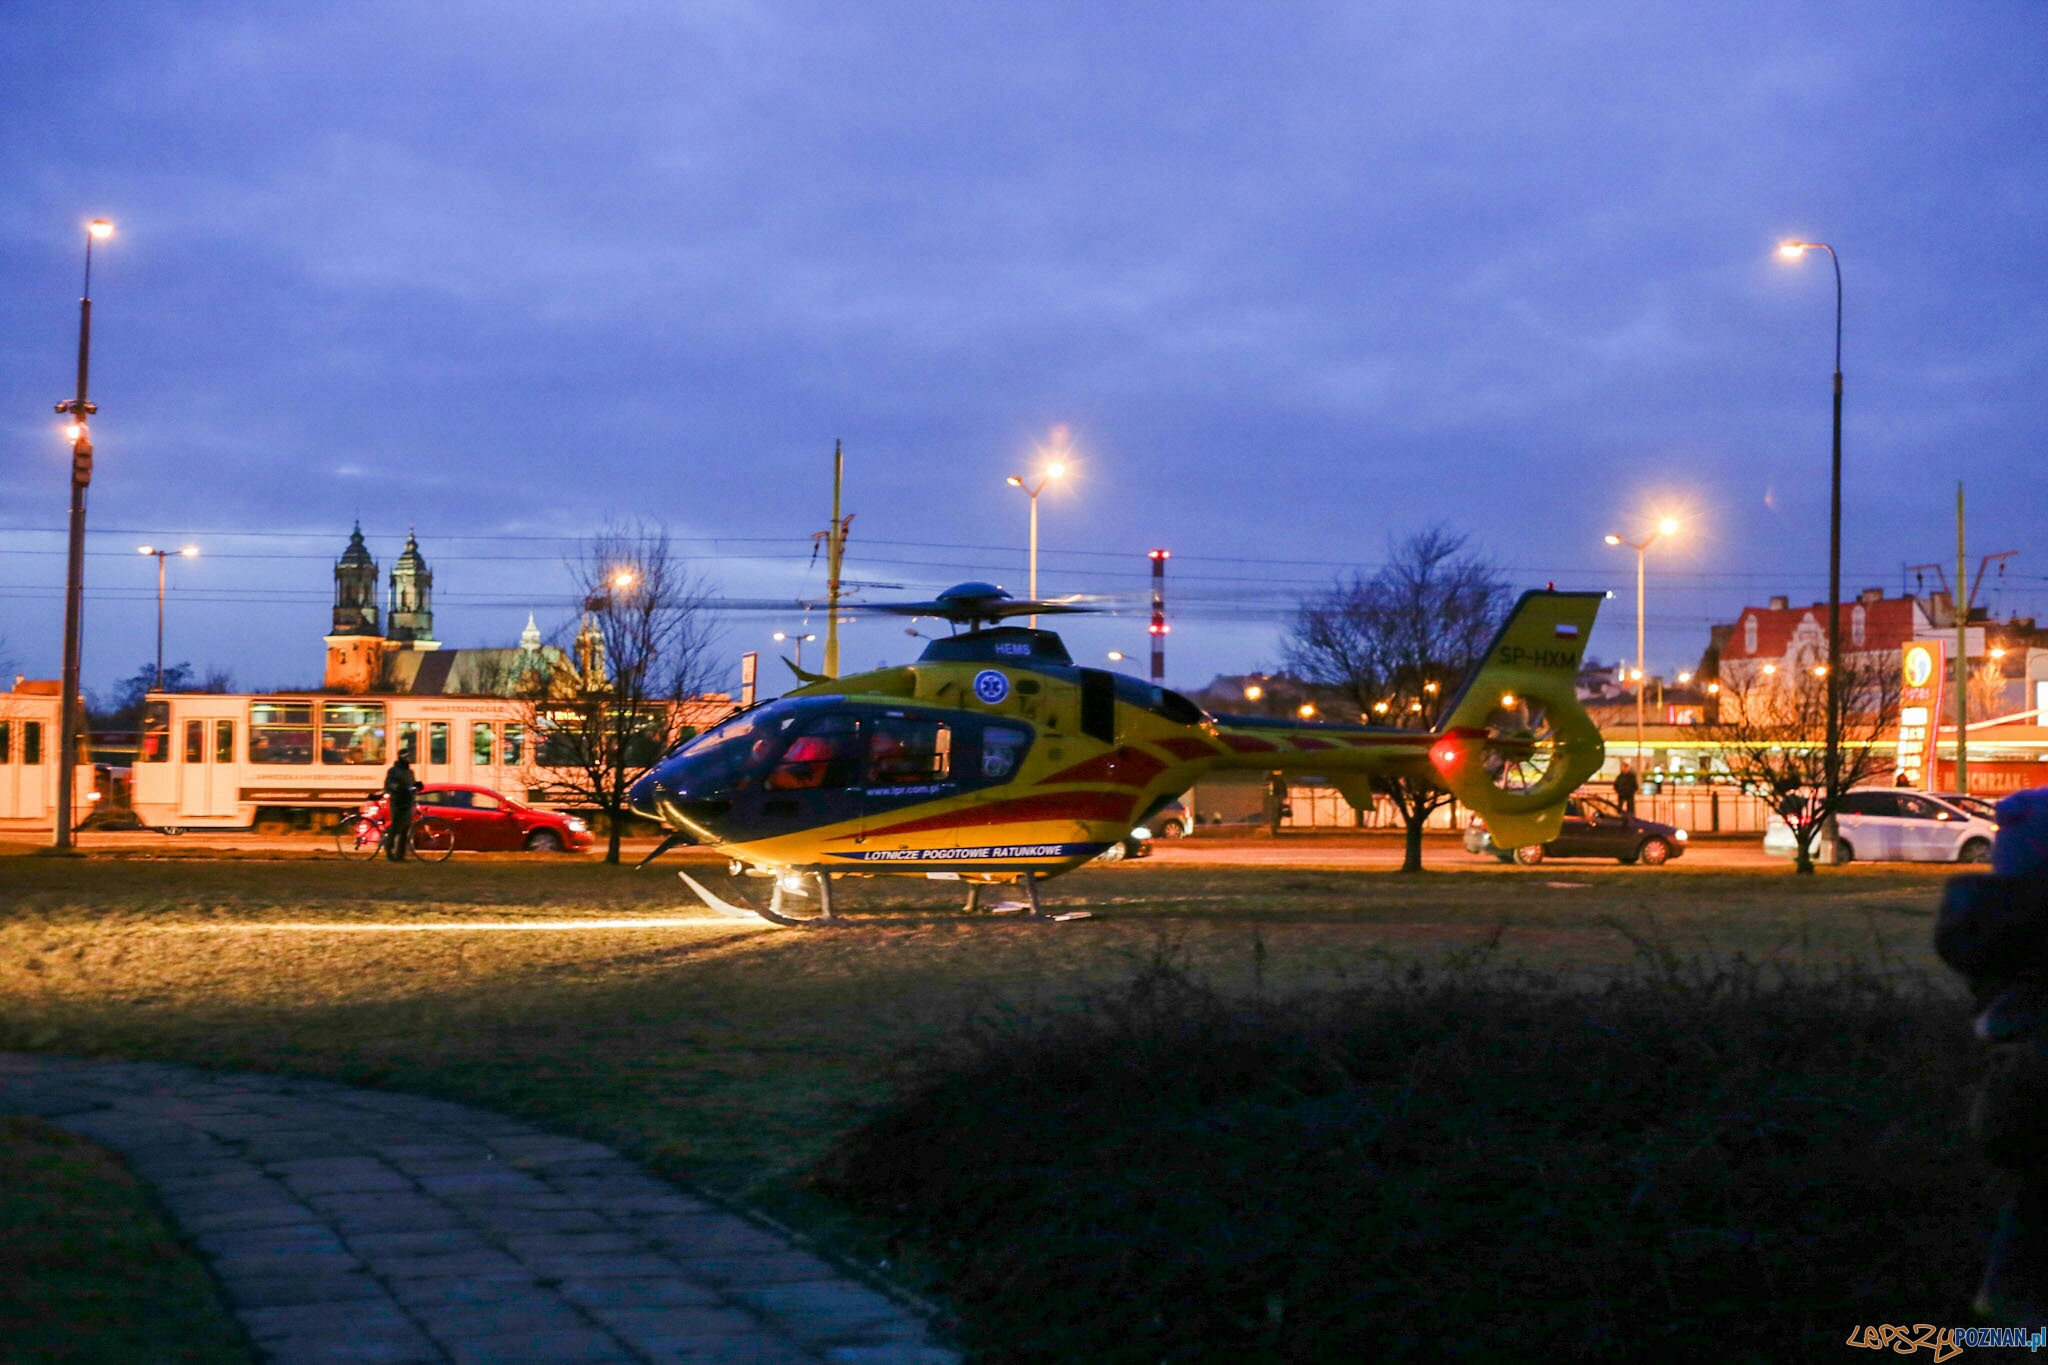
(1050,806)
(1245,744)
(1186,746)
(1126,767)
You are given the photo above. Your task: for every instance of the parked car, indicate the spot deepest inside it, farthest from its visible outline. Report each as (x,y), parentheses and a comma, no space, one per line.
(1890,824)
(1593,828)
(486,821)
(1171,820)
(1136,844)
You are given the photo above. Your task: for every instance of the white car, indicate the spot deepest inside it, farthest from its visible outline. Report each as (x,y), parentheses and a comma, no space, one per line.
(1889,824)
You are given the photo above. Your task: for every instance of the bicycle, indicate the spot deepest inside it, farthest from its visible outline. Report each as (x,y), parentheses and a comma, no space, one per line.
(367,833)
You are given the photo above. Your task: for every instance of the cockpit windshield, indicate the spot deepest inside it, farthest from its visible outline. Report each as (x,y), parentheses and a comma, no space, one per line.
(741,747)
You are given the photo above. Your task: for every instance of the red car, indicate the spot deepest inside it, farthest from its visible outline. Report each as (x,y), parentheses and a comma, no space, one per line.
(490,822)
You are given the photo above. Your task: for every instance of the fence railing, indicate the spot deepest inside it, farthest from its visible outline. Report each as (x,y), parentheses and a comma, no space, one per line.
(1698,810)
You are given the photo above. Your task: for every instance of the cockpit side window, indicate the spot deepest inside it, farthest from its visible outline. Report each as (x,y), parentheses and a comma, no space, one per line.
(825,753)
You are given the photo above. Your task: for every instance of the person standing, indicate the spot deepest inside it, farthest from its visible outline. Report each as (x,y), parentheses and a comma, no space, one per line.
(1625,789)
(401,788)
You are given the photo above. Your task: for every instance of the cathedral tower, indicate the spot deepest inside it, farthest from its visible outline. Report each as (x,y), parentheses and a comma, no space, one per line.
(412,597)
(355,650)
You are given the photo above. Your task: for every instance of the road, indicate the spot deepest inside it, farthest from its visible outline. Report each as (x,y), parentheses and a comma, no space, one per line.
(1366,851)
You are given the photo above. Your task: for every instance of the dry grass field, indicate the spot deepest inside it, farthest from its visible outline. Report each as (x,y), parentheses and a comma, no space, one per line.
(734,1052)
(601,1001)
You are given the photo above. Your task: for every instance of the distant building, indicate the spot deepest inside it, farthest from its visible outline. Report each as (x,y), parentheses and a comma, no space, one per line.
(404,657)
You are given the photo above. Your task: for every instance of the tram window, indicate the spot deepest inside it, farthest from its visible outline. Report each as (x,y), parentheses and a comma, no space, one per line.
(904,749)
(826,754)
(6,741)
(482,740)
(437,741)
(223,741)
(1002,752)
(195,741)
(156,732)
(279,732)
(515,742)
(352,732)
(409,740)
(31,742)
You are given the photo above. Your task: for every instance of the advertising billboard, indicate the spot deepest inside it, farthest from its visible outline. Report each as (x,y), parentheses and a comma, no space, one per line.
(1920,664)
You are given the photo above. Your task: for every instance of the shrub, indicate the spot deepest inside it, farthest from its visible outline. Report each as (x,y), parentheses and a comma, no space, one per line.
(1692,1159)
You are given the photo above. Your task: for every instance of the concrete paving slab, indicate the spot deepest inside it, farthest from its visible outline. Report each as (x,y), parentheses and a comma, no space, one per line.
(371,1228)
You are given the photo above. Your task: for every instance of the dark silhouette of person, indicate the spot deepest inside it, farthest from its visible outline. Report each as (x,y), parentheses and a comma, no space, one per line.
(1625,788)
(401,788)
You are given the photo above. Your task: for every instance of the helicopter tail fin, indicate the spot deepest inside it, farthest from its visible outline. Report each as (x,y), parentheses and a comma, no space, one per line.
(1516,742)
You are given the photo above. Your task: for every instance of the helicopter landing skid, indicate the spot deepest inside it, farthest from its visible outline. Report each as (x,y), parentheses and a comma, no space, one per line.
(1028,907)
(790,885)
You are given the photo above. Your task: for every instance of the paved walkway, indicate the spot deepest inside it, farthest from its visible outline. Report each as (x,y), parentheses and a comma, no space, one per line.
(385,1229)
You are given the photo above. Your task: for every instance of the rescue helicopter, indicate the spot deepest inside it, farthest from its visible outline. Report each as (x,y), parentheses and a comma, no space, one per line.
(995,758)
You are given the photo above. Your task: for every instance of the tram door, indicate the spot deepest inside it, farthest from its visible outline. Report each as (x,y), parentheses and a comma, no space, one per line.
(207,778)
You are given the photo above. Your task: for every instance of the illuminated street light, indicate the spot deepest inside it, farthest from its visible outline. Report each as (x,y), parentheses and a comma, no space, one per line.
(1770,669)
(78,433)
(1116,656)
(623,578)
(1254,692)
(1054,469)
(1665,526)
(1793,251)
(781,636)
(1306,710)
(184,552)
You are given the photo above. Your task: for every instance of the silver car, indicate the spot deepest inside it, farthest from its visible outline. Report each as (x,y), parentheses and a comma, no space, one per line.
(1890,824)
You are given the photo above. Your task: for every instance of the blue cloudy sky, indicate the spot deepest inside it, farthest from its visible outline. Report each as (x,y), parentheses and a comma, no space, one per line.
(1297,277)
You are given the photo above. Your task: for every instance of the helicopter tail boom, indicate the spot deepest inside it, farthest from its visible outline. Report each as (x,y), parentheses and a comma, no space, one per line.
(1515,742)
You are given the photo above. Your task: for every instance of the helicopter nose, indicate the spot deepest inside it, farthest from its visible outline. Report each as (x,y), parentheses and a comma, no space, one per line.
(669,796)
(645,798)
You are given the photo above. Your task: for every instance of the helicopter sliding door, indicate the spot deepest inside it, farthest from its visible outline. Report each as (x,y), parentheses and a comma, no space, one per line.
(909,762)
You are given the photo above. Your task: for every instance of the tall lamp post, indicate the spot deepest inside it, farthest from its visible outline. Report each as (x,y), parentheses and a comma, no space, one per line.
(780,636)
(80,432)
(1665,527)
(1056,469)
(1792,251)
(161,555)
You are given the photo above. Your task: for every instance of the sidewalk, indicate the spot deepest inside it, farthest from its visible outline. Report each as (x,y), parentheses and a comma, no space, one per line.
(377,1228)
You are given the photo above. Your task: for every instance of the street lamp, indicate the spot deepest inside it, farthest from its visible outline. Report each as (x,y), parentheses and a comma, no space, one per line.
(1056,469)
(1665,527)
(780,636)
(1792,251)
(185,552)
(80,434)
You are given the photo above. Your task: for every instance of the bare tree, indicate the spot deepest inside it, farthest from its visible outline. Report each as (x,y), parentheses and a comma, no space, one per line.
(1771,733)
(1393,646)
(639,652)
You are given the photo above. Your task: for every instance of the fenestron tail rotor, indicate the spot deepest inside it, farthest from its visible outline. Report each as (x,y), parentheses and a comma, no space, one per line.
(1517,742)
